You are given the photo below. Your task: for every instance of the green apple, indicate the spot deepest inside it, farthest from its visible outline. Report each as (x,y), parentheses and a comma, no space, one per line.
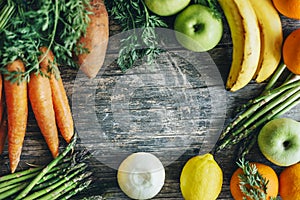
(279,141)
(197,28)
(166,7)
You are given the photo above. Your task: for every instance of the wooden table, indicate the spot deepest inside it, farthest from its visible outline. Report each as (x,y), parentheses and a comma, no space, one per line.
(167,113)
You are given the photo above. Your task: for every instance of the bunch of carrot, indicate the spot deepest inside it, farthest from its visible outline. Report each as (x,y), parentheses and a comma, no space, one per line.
(45,90)
(49,102)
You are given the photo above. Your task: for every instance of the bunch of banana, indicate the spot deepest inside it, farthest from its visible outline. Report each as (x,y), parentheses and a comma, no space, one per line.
(256,33)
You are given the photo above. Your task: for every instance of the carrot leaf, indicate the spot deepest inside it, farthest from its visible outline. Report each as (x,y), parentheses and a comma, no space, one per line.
(57,24)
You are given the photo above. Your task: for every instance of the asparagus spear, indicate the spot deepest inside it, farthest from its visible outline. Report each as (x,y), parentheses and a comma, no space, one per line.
(24,178)
(280,69)
(77,190)
(73,183)
(61,181)
(281,109)
(256,115)
(246,146)
(250,143)
(52,164)
(288,85)
(4,189)
(257,110)
(273,102)
(247,113)
(18,180)
(13,191)
(54,172)
(19,174)
(258,103)
(54,177)
(26,175)
(51,179)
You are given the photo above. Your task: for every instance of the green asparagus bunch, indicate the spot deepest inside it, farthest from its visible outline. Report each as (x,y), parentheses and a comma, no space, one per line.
(62,178)
(273,102)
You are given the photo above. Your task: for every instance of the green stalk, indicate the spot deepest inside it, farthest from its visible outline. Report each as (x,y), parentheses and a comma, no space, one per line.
(62,180)
(266,109)
(59,167)
(26,175)
(276,91)
(18,180)
(289,106)
(247,145)
(19,174)
(65,187)
(54,172)
(4,189)
(52,164)
(280,69)
(291,78)
(250,113)
(281,109)
(288,85)
(247,113)
(54,179)
(12,191)
(237,136)
(80,188)
(275,76)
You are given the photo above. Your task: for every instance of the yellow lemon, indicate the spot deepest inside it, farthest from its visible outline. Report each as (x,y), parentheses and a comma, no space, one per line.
(201,178)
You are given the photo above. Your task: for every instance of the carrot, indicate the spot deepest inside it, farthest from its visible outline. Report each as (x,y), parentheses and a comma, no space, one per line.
(40,97)
(3,134)
(61,105)
(17,114)
(1,98)
(95,40)
(3,118)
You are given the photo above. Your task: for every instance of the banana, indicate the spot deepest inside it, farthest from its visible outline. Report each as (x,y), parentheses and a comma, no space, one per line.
(234,20)
(271,38)
(244,27)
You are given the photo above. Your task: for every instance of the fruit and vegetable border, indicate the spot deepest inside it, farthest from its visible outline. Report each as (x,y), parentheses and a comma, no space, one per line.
(38,38)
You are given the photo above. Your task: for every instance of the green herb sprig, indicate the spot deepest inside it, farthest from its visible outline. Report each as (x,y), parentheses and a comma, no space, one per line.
(252,183)
(56,24)
(132,15)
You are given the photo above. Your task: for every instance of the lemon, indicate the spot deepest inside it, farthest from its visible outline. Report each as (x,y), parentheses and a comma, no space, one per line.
(201,178)
(141,175)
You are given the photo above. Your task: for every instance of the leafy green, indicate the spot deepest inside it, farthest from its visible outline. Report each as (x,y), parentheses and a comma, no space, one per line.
(132,15)
(56,24)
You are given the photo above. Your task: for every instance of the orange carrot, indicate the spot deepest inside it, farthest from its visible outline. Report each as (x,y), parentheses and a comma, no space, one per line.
(40,97)
(61,105)
(1,98)
(95,40)
(17,114)
(3,134)
(3,118)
